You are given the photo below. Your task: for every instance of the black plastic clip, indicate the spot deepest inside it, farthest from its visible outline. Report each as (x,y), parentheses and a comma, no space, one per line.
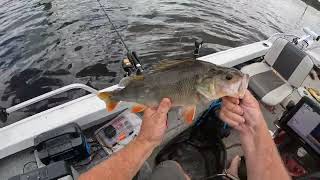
(198,44)
(3,115)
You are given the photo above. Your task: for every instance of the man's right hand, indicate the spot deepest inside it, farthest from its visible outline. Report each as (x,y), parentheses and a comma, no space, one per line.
(244,115)
(262,158)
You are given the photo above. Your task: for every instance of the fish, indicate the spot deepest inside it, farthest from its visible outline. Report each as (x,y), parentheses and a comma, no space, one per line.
(186,83)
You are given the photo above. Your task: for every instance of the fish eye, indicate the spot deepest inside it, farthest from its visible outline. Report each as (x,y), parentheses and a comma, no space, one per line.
(229,77)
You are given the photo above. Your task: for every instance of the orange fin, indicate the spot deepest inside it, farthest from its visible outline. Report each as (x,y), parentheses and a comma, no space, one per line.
(105,96)
(188,113)
(138,108)
(111,105)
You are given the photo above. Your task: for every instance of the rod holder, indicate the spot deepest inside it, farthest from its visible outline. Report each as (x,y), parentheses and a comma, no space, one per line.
(198,44)
(3,115)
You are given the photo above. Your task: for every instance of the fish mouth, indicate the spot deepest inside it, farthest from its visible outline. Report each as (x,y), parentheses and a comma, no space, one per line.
(244,85)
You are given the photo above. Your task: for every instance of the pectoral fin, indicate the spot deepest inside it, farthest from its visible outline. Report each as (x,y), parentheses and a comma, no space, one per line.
(188,113)
(138,108)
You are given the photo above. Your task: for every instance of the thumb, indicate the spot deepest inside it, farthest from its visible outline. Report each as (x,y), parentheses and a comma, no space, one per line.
(248,97)
(164,107)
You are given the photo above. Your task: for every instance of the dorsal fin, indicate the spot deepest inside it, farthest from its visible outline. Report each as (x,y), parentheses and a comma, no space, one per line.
(167,64)
(124,81)
(138,77)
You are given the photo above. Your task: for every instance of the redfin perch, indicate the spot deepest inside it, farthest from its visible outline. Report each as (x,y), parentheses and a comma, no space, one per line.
(187,84)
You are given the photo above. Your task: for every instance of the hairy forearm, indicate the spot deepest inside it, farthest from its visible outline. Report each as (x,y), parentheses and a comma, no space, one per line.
(123,165)
(262,158)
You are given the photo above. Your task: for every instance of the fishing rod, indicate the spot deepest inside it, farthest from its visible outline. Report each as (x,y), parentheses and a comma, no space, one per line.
(133,63)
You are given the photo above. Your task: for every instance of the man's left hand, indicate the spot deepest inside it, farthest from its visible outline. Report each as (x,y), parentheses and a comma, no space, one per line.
(154,123)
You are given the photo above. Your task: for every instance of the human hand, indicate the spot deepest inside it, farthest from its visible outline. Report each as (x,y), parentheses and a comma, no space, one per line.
(244,115)
(154,123)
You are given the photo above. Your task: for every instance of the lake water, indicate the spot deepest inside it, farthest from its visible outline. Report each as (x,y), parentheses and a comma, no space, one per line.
(46,44)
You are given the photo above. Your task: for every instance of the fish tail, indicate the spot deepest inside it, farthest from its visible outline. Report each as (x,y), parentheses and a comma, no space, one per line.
(110,103)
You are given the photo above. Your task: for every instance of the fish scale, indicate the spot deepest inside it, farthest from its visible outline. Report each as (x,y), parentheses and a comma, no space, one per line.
(180,93)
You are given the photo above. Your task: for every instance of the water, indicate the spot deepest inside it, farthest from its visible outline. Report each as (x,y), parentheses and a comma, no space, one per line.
(46,44)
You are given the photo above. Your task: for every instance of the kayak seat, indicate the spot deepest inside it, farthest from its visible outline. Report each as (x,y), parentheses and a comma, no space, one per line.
(284,68)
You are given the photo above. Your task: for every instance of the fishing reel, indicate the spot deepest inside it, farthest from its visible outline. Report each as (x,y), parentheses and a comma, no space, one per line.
(132,64)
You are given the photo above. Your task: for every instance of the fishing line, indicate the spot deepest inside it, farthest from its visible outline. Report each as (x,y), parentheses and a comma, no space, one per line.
(132,55)
(113,26)
(302,15)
